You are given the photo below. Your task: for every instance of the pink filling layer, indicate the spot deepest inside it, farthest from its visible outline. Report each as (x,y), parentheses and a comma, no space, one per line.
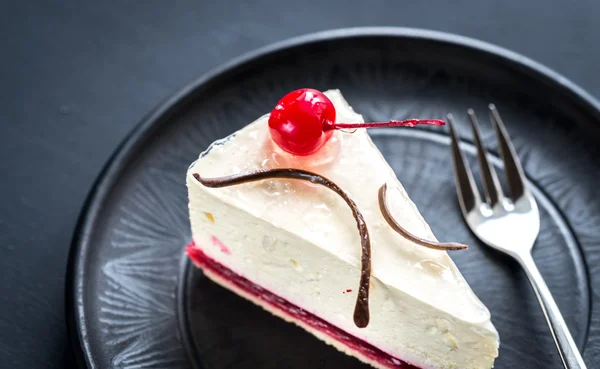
(202,260)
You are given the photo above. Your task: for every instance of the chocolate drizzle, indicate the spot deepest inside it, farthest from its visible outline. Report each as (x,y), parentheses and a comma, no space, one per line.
(361,309)
(448,246)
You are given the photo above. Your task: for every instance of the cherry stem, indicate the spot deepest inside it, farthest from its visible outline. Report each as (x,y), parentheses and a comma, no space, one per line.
(391,123)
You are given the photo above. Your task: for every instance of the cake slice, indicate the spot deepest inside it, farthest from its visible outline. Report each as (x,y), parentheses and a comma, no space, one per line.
(292,247)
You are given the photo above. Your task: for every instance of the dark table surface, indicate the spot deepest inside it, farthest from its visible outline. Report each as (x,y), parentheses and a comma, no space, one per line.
(77,77)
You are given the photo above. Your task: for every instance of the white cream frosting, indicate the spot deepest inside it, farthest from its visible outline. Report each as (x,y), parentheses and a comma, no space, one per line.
(300,241)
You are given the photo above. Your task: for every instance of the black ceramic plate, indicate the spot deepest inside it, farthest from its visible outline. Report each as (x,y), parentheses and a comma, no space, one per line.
(137,303)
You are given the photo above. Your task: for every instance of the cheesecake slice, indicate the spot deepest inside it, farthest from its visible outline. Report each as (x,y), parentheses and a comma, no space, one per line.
(292,247)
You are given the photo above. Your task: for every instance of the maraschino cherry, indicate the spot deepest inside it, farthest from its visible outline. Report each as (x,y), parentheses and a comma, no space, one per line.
(303,121)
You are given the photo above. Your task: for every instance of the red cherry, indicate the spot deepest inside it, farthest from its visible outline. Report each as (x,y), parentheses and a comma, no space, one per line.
(304,120)
(297,122)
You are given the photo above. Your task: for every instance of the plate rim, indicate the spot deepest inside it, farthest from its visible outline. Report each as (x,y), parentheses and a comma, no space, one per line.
(109,174)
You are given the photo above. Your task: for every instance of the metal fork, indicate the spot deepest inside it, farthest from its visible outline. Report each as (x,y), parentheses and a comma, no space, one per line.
(508,224)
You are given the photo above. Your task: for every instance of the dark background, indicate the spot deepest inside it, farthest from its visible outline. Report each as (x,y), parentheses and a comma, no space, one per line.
(76,77)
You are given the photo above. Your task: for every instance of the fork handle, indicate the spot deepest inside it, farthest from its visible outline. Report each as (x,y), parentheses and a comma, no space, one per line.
(569,354)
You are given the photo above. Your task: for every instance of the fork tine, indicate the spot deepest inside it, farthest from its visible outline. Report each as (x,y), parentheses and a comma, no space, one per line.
(512,165)
(491,185)
(466,189)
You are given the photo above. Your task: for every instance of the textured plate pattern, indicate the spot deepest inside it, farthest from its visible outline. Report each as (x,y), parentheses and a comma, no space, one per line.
(138,305)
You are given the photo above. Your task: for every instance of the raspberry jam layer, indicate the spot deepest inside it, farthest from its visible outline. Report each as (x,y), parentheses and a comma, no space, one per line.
(367,350)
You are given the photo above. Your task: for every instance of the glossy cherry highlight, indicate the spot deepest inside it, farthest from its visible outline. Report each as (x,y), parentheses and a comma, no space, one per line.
(297,122)
(303,121)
